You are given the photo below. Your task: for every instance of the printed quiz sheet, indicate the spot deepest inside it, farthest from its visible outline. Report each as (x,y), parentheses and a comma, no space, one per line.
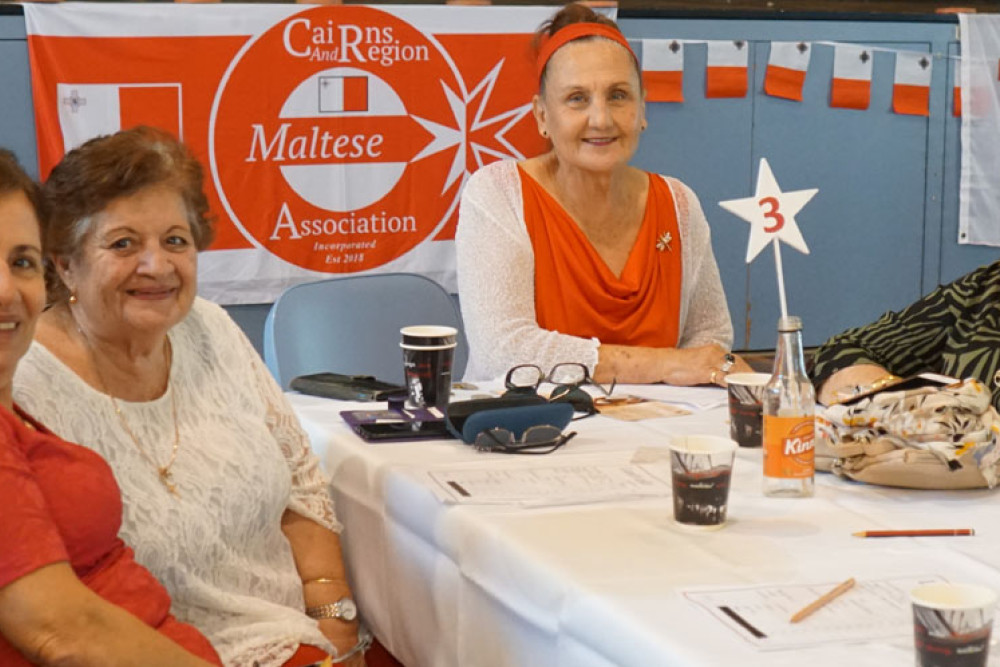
(872,609)
(557,484)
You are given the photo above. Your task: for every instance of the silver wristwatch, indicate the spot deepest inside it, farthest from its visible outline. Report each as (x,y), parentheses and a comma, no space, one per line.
(343,609)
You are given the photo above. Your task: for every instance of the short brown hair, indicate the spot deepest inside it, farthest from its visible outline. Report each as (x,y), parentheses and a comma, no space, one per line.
(13,178)
(573,12)
(91,176)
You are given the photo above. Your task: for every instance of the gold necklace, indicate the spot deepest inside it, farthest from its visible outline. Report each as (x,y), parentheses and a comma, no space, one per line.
(164,472)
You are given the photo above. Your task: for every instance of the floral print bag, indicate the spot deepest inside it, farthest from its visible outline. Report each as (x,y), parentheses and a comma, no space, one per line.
(926,438)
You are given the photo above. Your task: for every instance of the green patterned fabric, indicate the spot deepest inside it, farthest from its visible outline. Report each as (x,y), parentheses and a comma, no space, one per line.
(954,330)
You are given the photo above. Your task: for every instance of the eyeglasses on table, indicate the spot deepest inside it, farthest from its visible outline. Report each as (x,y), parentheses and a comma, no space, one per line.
(568,377)
(565,374)
(541,439)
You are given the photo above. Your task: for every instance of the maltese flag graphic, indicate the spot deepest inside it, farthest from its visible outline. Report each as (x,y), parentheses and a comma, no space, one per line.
(726,74)
(851,87)
(90,110)
(663,70)
(343,93)
(911,89)
(786,70)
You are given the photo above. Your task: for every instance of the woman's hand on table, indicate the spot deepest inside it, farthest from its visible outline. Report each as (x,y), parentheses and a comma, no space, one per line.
(846,382)
(706,364)
(684,367)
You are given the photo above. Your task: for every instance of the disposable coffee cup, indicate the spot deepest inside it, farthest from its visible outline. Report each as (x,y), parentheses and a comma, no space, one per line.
(952,624)
(701,467)
(428,352)
(746,393)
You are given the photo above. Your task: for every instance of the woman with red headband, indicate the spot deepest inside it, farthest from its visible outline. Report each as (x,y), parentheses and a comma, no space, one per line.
(576,256)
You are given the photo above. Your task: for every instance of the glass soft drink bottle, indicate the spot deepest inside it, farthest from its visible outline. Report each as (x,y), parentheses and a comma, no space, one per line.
(789,405)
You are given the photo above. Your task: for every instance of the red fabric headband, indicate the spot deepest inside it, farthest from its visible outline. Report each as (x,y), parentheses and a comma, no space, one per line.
(575,31)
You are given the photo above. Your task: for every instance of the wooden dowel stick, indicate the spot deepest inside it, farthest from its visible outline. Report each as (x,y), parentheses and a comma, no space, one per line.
(779,269)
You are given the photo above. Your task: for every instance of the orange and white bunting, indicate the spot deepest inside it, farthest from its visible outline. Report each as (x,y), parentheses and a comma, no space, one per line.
(726,75)
(786,69)
(852,77)
(663,70)
(956,88)
(335,139)
(911,87)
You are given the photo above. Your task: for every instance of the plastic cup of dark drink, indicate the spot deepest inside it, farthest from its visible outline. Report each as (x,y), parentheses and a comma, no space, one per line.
(746,390)
(952,624)
(428,352)
(701,467)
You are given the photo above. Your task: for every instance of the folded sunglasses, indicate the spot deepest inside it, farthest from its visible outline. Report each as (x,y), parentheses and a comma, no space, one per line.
(524,424)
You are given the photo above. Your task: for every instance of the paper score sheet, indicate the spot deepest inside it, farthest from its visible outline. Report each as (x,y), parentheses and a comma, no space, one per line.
(872,609)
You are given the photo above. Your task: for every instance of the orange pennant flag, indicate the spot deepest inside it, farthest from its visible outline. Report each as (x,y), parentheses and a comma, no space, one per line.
(786,69)
(663,70)
(956,88)
(911,88)
(852,77)
(726,75)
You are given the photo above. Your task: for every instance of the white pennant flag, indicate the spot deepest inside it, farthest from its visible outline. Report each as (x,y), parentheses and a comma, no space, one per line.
(726,75)
(786,69)
(663,70)
(911,88)
(852,77)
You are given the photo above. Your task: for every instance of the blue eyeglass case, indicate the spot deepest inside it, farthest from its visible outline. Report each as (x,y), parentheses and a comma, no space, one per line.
(517,419)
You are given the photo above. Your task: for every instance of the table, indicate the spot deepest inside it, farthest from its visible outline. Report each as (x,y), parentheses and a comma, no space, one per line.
(601,584)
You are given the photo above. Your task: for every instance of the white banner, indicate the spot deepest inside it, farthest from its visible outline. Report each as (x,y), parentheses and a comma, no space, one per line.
(979,191)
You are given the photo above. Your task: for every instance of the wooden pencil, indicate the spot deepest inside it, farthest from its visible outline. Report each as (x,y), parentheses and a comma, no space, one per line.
(930,532)
(822,601)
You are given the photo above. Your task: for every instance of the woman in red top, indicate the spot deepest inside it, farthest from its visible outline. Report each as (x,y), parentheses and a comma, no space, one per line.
(70,591)
(575,255)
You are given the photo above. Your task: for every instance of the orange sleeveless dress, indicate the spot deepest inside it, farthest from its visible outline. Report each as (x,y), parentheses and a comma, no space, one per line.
(576,293)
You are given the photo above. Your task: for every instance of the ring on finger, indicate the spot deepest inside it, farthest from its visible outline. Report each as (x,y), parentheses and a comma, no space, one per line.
(712,376)
(728,361)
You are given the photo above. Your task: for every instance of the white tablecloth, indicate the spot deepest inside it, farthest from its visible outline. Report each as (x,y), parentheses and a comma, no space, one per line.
(600,584)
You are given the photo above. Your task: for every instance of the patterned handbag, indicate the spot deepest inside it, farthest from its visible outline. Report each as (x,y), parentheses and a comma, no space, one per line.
(926,438)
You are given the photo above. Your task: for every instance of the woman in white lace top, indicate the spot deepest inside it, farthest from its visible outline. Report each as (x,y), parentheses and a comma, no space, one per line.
(223,500)
(575,255)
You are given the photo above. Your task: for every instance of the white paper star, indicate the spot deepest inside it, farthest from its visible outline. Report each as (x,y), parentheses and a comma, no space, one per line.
(771,213)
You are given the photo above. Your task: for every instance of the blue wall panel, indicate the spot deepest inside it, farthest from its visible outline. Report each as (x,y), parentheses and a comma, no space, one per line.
(869,167)
(877,230)
(17,124)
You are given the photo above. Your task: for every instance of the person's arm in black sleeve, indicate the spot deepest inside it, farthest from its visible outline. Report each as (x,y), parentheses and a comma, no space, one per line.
(901,343)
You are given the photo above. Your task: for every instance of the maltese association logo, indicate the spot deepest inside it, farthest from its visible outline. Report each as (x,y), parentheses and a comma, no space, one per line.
(340,138)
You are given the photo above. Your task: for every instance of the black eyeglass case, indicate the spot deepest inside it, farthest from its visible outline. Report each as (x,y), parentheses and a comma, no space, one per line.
(345,387)
(467,419)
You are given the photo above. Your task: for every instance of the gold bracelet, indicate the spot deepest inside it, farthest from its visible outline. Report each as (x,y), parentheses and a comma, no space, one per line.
(847,393)
(323,580)
(883,382)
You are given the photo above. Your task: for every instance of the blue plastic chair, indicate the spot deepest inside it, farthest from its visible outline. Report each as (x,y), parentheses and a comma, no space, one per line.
(351,325)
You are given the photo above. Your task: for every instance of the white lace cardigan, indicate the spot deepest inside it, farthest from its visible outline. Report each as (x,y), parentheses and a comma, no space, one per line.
(496,280)
(243,459)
